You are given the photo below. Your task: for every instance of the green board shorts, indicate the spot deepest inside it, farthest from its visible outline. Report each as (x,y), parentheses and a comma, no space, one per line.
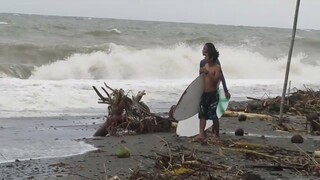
(208,105)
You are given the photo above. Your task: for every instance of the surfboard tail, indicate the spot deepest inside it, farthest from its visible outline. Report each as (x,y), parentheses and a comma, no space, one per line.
(222,104)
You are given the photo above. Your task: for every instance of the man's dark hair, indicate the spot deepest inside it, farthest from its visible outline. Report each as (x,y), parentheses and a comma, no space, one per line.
(212,51)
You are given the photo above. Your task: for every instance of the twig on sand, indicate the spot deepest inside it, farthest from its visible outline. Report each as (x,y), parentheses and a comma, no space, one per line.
(312,159)
(169,149)
(105,169)
(251,152)
(83,176)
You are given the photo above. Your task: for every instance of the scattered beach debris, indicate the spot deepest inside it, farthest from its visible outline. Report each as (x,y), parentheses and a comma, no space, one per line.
(123,152)
(298,139)
(183,163)
(115,178)
(180,162)
(132,115)
(242,117)
(239,132)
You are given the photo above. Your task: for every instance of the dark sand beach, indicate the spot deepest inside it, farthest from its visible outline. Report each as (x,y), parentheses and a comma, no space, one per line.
(104,164)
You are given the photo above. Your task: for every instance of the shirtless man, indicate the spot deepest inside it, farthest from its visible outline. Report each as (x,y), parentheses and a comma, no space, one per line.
(210,96)
(222,79)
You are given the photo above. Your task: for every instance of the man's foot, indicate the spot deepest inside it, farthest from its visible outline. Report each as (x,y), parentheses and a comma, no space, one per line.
(199,139)
(214,140)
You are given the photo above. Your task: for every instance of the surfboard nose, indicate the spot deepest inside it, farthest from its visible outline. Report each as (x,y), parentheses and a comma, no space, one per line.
(172,109)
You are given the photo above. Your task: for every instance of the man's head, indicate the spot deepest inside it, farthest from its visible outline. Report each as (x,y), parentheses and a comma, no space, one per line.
(210,52)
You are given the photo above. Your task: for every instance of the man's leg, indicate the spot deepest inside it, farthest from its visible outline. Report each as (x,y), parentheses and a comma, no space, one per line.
(213,130)
(216,127)
(202,127)
(212,111)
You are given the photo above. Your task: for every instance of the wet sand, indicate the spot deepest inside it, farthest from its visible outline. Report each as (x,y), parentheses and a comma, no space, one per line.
(104,164)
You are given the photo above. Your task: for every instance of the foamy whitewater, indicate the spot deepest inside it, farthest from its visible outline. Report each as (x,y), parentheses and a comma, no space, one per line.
(48,66)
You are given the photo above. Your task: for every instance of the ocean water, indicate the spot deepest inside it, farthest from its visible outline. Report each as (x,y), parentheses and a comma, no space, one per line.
(49,64)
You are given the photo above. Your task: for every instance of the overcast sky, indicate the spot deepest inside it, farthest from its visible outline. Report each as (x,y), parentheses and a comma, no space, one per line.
(271,13)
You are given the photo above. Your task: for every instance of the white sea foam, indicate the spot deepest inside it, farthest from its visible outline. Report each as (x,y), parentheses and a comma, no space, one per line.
(43,98)
(115,30)
(180,61)
(30,149)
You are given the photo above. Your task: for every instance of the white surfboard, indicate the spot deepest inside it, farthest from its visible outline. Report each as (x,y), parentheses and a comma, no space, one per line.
(189,102)
(190,126)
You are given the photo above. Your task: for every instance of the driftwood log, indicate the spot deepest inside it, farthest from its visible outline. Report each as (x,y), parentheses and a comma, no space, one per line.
(128,115)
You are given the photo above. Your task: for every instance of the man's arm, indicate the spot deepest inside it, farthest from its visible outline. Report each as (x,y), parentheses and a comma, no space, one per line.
(224,84)
(202,64)
(203,70)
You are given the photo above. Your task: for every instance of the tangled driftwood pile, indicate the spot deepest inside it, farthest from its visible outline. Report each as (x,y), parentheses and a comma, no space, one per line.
(183,163)
(297,103)
(128,115)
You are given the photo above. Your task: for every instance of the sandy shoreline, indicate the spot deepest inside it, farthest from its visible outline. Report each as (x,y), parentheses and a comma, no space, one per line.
(103,162)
